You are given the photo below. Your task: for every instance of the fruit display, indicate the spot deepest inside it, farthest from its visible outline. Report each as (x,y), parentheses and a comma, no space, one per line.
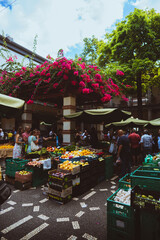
(77,153)
(6,146)
(50,149)
(56,150)
(23,176)
(59,177)
(23,172)
(59,174)
(67,165)
(146,199)
(123,196)
(81,163)
(34,163)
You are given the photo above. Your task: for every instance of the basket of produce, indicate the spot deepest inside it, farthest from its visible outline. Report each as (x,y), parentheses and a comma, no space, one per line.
(69,167)
(14,165)
(23,176)
(120,215)
(145,199)
(59,177)
(125,181)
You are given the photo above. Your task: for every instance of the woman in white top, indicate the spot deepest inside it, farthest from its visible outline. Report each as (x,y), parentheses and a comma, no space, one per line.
(17,150)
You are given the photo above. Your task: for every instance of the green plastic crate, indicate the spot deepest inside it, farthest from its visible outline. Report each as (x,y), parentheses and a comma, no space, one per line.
(14,165)
(147,178)
(120,219)
(39,176)
(149,225)
(117,208)
(114,234)
(123,183)
(108,167)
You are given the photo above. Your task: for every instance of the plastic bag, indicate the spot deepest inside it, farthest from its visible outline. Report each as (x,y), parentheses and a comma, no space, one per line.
(111,148)
(34,147)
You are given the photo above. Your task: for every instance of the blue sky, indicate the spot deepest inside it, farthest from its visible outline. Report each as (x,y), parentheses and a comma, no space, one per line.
(63,23)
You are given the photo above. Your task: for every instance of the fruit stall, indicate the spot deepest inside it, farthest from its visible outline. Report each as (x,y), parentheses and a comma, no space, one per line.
(6,150)
(133,211)
(65,172)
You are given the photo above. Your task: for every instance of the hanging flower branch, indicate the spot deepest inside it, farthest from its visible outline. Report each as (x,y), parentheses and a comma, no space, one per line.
(61,75)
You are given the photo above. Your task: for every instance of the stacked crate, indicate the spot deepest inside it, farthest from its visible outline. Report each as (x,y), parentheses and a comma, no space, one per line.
(145,199)
(60,186)
(23,182)
(12,166)
(39,176)
(120,219)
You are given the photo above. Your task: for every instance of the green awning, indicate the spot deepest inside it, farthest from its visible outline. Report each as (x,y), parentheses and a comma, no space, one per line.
(132,122)
(106,115)
(153,123)
(10,106)
(11,101)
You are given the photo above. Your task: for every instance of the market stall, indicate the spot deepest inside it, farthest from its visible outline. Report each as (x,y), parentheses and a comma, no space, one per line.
(67,172)
(6,150)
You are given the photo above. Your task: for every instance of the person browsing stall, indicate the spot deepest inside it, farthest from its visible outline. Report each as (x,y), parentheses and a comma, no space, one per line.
(124,153)
(17,150)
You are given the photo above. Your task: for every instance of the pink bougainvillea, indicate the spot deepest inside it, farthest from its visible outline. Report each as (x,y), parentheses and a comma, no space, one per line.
(59,76)
(106,98)
(120,73)
(10,59)
(30,101)
(86,90)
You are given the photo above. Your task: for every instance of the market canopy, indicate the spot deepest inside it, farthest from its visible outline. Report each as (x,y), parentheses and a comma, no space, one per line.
(106,115)
(10,106)
(153,123)
(132,122)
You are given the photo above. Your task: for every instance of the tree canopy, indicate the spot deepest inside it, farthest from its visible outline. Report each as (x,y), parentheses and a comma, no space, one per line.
(135,45)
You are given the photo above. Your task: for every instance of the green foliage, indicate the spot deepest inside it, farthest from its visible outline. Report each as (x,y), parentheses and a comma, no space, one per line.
(134,47)
(89,54)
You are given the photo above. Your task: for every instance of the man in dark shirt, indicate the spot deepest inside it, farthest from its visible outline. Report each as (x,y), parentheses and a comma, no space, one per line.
(124,153)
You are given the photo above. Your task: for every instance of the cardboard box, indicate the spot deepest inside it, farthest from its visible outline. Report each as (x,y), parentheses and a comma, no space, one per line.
(64,193)
(23,178)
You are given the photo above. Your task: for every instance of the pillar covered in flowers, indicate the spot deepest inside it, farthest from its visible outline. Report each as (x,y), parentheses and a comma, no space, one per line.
(27,116)
(69,107)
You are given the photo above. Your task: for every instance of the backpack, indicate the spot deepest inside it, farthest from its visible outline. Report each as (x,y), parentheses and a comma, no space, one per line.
(5,192)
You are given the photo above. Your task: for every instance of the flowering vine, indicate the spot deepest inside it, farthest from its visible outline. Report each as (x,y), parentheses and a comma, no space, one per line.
(60,75)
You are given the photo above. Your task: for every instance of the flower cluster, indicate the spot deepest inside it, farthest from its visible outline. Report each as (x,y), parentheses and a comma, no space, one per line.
(61,75)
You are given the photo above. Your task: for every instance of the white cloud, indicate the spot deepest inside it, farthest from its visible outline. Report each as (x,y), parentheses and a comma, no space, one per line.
(147,4)
(59,24)
(62,23)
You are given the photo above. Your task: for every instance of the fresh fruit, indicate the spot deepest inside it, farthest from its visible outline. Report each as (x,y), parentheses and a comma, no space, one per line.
(6,146)
(23,172)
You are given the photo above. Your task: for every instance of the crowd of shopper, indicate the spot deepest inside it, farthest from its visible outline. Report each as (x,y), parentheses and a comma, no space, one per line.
(27,140)
(86,138)
(130,148)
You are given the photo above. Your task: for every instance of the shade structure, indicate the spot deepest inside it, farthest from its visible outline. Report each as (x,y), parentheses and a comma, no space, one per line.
(130,122)
(11,101)
(10,106)
(106,115)
(153,123)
